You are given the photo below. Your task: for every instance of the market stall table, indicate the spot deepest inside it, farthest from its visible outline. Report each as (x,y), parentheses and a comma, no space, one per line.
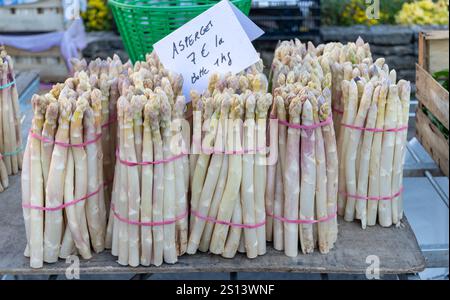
(396,248)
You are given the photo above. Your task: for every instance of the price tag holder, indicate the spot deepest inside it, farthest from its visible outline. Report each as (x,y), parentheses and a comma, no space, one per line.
(216,41)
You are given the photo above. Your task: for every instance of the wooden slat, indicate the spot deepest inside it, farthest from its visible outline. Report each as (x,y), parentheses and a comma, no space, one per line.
(433,50)
(431,94)
(50,64)
(422,49)
(39,4)
(54,51)
(432,140)
(436,35)
(437,55)
(41,16)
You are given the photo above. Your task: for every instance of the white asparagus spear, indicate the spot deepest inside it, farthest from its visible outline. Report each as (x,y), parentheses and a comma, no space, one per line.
(67,245)
(281,114)
(397,168)
(278,232)
(107,145)
(201,167)
(92,203)
(16,110)
(170,255)
(181,230)
(353,149)
(7,142)
(122,203)
(215,203)
(112,232)
(54,192)
(101,214)
(233,177)
(133,188)
(138,102)
(405,94)
(146,190)
(321,181)
(337,96)
(350,94)
(387,157)
(37,186)
(278,236)
(25,184)
(308,178)
(4,181)
(366,147)
(262,105)
(211,177)
(331,165)
(197,107)
(241,248)
(76,214)
(375,155)
(247,187)
(158,181)
(271,173)
(48,132)
(235,232)
(186,135)
(292,180)
(15,147)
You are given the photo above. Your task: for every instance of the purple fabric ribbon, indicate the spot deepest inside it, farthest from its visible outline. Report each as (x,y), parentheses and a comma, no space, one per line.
(70,41)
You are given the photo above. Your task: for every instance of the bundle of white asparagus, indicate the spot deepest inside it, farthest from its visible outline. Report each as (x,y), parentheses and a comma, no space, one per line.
(10,129)
(341,59)
(372,144)
(301,194)
(149,212)
(229,165)
(370,176)
(63,204)
(107,76)
(335,58)
(69,163)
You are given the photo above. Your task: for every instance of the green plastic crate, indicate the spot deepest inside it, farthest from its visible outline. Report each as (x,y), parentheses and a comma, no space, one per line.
(142,23)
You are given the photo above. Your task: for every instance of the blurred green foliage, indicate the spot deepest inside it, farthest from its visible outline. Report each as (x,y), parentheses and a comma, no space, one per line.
(352,12)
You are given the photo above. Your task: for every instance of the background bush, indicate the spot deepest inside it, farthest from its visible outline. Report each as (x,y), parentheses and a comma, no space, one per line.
(351,12)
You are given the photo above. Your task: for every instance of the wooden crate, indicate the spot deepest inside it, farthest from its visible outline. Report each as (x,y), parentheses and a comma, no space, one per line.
(433,56)
(44,15)
(50,63)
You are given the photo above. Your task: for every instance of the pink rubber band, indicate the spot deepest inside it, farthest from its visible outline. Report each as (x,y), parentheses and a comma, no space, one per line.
(65,145)
(145,163)
(238,225)
(375,129)
(337,110)
(328,121)
(302,221)
(62,206)
(111,120)
(148,224)
(373,198)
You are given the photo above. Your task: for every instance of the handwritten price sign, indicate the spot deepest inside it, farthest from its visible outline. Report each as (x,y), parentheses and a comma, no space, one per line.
(218,40)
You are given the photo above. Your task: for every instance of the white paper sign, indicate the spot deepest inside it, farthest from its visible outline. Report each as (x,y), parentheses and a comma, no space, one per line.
(218,40)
